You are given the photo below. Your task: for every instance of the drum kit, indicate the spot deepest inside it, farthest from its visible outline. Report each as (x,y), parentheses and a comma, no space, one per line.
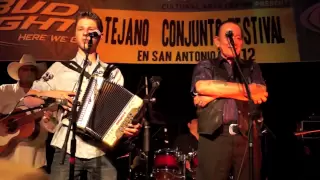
(169,164)
(159,163)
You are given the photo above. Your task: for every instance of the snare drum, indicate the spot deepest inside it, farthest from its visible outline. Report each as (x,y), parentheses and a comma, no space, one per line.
(166,165)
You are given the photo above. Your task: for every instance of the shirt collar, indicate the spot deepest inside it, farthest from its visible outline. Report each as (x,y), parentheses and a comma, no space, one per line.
(80,59)
(221,59)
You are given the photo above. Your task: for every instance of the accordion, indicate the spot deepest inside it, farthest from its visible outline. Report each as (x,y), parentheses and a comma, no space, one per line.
(106,110)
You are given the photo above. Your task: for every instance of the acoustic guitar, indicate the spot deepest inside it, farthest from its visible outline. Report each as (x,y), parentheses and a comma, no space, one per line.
(21,127)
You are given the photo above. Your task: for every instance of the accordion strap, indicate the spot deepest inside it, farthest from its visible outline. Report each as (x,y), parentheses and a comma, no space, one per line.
(77,68)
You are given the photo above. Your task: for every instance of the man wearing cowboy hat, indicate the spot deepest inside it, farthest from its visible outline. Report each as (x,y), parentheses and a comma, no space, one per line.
(25,72)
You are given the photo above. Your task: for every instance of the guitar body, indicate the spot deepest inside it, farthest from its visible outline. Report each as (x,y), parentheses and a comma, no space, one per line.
(21,128)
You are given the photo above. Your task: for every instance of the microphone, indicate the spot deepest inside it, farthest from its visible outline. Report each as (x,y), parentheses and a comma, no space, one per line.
(155,80)
(229,33)
(146,136)
(94,34)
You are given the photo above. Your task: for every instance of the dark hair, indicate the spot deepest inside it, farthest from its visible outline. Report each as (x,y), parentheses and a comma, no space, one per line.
(90,15)
(233,21)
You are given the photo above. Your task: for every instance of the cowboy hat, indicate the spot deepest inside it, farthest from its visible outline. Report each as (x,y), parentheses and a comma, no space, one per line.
(26,60)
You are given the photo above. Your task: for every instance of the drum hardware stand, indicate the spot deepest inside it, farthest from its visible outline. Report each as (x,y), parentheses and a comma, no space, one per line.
(183,166)
(147,108)
(73,121)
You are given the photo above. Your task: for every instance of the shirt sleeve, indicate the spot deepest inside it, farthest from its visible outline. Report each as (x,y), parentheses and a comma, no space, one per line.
(47,81)
(202,71)
(257,75)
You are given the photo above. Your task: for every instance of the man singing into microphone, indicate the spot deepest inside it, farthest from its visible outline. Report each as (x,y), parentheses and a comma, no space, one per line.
(220,97)
(91,161)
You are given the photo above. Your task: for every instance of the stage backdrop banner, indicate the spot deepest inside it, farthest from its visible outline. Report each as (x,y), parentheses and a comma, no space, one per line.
(46,29)
(307,15)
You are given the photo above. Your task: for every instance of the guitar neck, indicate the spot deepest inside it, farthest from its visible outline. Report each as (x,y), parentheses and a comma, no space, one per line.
(24,118)
(18,111)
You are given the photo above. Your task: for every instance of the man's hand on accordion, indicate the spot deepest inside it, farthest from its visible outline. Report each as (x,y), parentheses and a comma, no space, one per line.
(132,130)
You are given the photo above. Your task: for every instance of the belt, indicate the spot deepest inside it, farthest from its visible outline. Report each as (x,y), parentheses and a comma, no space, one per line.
(234,129)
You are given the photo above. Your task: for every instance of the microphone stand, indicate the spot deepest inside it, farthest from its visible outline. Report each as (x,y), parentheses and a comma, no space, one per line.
(251,110)
(73,121)
(146,132)
(148,100)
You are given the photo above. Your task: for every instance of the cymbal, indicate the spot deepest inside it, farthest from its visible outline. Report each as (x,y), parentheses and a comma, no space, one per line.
(13,171)
(306,132)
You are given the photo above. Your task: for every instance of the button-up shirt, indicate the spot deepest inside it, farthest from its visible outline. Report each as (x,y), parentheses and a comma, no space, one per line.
(10,94)
(203,71)
(65,79)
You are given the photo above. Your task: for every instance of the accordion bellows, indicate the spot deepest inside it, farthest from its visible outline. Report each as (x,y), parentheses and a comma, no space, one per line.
(106,110)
